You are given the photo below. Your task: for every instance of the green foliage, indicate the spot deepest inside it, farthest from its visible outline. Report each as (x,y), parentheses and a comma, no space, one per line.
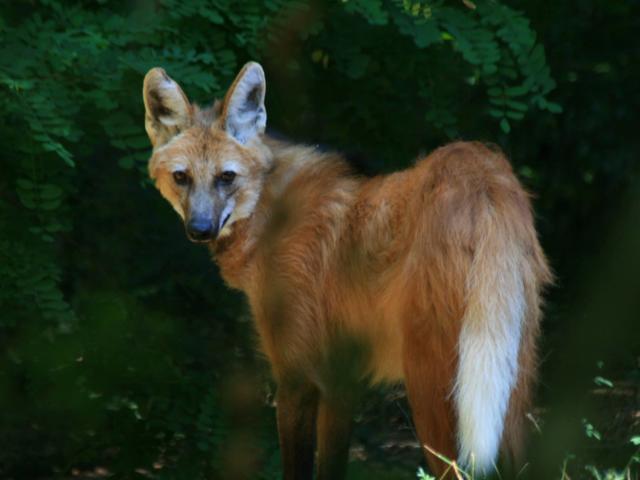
(598,473)
(497,57)
(422,475)
(591,431)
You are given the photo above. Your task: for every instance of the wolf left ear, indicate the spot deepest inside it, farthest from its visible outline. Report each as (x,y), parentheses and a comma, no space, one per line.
(167,109)
(243,113)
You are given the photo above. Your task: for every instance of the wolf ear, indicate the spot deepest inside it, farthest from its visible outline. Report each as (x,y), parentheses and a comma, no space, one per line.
(243,112)
(168,110)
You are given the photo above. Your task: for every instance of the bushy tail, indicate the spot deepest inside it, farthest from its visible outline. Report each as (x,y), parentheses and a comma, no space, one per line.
(489,342)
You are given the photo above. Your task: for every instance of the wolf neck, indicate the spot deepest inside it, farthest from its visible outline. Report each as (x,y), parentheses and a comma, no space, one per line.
(299,174)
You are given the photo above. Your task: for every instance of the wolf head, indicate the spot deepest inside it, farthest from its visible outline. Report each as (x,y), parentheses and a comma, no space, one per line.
(209,164)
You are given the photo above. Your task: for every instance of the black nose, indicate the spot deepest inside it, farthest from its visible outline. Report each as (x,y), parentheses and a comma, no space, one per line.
(200,229)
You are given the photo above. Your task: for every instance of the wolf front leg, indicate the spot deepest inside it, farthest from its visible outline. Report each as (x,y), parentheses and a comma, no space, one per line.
(297,409)
(334,431)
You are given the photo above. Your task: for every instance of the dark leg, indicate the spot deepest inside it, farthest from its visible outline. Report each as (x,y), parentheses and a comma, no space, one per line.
(334,431)
(297,407)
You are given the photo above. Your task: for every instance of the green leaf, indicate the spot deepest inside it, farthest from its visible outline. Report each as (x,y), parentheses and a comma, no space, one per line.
(603,382)
(593,471)
(489,69)
(515,115)
(422,475)
(49,205)
(515,105)
(50,191)
(372,10)
(590,430)
(423,32)
(554,107)
(25,184)
(517,91)
(211,14)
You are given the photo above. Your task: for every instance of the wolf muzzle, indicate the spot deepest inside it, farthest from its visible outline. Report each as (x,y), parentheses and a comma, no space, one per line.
(201,229)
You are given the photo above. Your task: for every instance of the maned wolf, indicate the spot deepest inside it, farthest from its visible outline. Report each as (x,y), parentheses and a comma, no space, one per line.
(430,276)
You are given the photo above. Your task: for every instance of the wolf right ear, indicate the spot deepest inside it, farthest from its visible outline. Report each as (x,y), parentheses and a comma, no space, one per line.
(167,109)
(243,113)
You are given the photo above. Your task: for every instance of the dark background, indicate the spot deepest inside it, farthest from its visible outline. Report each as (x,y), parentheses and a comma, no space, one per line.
(121,351)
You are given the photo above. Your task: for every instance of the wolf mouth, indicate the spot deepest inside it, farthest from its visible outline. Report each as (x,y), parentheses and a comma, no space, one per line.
(224,221)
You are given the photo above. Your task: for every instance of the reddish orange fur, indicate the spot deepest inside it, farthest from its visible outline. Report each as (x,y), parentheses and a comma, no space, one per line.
(381,265)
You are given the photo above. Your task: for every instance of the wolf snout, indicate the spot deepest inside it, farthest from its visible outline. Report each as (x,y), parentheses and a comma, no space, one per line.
(200,229)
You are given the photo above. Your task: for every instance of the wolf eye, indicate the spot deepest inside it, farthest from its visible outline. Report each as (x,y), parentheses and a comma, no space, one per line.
(227,176)
(180,177)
